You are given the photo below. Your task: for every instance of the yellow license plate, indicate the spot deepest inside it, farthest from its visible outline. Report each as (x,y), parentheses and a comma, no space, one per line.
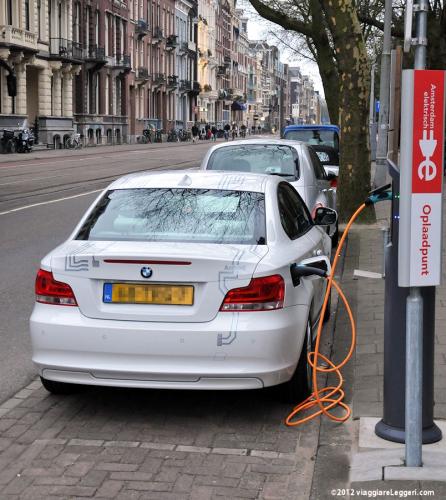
(132,293)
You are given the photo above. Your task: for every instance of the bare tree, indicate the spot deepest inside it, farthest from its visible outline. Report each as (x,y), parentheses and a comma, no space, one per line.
(335,38)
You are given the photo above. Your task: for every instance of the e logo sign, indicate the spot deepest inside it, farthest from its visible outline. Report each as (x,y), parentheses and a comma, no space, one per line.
(421,177)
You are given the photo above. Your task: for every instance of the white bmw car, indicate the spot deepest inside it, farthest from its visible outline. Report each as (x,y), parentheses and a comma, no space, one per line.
(183,280)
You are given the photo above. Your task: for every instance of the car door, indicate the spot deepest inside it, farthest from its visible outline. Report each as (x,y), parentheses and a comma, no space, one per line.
(297,224)
(326,192)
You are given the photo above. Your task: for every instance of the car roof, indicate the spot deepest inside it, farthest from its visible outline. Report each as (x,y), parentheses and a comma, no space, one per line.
(258,142)
(335,128)
(213,179)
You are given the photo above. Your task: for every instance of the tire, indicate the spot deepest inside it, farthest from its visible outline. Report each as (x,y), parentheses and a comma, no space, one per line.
(299,387)
(335,237)
(11,146)
(328,310)
(59,387)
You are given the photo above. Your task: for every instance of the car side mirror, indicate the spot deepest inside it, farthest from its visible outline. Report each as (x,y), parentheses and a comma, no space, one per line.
(315,267)
(325,216)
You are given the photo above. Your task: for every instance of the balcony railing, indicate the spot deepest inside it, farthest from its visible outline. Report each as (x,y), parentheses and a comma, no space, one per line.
(222,71)
(196,88)
(17,36)
(66,49)
(157,34)
(159,78)
(184,47)
(171,42)
(141,28)
(142,73)
(185,85)
(172,81)
(122,61)
(227,60)
(95,53)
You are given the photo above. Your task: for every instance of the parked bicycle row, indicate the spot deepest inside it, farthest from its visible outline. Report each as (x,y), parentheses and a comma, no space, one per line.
(16,140)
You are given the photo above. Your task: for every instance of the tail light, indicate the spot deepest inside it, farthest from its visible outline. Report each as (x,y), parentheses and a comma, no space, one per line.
(262,294)
(50,291)
(334,183)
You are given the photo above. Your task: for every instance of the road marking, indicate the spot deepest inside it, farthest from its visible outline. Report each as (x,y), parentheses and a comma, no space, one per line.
(18,209)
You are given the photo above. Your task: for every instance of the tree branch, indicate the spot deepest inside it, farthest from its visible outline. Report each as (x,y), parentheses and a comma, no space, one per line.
(278,17)
(363,18)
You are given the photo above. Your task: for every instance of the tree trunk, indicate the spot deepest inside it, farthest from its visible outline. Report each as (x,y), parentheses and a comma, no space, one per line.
(325,59)
(354,181)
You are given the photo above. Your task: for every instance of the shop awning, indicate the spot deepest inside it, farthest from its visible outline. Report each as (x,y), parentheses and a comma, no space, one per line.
(238,106)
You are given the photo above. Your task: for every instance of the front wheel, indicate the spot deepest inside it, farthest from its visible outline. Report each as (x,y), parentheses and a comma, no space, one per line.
(59,387)
(300,386)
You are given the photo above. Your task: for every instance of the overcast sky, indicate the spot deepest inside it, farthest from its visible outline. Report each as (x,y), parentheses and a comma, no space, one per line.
(258,30)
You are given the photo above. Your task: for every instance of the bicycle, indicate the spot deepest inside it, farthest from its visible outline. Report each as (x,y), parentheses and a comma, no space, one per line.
(73,142)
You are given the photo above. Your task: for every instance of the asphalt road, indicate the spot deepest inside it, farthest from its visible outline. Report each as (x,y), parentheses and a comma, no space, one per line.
(42,196)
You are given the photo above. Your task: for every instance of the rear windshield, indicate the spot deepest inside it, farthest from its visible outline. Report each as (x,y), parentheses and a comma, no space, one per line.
(314,137)
(178,215)
(256,158)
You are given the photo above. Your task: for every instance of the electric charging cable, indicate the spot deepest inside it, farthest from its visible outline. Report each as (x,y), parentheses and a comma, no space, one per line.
(328,398)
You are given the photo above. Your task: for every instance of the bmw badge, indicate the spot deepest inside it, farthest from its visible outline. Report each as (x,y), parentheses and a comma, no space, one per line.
(146,272)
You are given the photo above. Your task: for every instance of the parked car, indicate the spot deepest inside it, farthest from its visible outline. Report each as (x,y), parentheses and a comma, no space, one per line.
(329,158)
(184,280)
(294,161)
(315,135)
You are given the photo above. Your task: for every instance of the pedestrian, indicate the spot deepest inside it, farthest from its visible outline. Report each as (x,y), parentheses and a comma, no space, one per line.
(195,133)
(208,134)
(227,128)
(214,133)
(234,130)
(259,129)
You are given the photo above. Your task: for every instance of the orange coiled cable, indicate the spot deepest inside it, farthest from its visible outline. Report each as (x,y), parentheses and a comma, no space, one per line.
(330,397)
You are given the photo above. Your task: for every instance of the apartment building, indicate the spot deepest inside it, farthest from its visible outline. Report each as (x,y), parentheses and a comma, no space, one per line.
(111,68)
(187,112)
(38,63)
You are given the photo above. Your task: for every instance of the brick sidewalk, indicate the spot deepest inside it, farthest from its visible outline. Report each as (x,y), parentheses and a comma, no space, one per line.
(130,444)
(364,374)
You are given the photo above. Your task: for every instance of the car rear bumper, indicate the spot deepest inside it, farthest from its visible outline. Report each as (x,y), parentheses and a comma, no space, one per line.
(233,351)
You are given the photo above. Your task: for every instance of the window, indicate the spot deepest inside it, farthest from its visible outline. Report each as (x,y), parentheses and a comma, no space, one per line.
(314,136)
(27,26)
(294,215)
(9,13)
(259,159)
(319,171)
(39,20)
(178,215)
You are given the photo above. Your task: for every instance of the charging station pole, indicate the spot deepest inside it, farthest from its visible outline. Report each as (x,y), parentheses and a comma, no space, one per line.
(421,182)
(392,426)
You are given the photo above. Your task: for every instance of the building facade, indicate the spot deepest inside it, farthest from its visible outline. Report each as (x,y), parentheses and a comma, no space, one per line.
(38,63)
(110,69)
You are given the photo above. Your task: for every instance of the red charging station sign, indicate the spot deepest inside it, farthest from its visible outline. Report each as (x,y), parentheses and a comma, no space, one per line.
(422,144)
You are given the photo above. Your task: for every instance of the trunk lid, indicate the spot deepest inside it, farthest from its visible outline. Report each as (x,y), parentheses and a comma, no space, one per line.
(211,269)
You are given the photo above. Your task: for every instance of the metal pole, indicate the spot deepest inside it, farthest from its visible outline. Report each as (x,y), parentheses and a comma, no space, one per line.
(414,377)
(384,92)
(414,309)
(372,123)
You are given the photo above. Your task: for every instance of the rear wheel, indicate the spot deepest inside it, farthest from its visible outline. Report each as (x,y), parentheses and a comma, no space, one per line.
(335,237)
(299,387)
(59,387)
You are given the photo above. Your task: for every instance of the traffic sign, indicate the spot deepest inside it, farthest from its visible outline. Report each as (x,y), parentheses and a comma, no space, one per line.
(422,145)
